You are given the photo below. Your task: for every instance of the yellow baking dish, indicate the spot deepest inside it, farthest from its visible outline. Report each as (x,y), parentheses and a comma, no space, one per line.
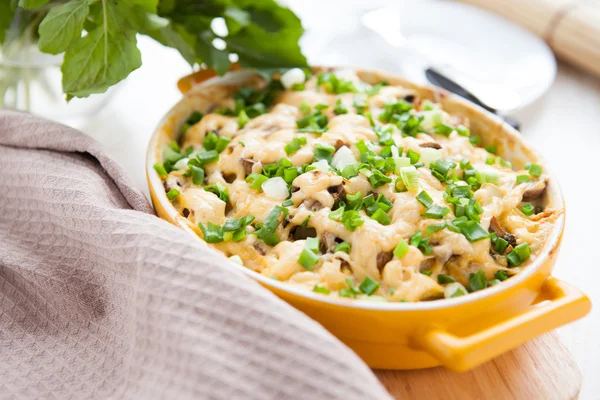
(459,333)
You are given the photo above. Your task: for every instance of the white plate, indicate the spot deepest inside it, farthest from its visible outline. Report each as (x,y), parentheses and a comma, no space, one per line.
(489,55)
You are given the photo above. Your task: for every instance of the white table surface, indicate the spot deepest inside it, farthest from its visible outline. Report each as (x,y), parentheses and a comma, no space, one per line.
(564,126)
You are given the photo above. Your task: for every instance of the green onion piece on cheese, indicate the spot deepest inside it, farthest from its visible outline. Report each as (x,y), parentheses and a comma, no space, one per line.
(443,279)
(401,249)
(344,246)
(321,289)
(424,198)
(212,233)
(477,281)
(369,286)
(160,170)
(171,194)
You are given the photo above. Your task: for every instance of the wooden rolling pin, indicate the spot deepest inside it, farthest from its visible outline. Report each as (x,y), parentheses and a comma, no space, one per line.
(570,27)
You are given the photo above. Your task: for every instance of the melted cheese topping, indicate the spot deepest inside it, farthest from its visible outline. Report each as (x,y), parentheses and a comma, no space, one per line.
(423,272)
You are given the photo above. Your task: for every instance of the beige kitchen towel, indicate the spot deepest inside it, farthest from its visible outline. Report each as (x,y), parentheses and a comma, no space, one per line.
(101,299)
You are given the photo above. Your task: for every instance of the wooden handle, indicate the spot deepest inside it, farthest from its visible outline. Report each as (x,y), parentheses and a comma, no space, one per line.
(570,27)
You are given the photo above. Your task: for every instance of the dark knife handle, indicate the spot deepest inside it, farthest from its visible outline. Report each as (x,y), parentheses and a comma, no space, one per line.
(441,80)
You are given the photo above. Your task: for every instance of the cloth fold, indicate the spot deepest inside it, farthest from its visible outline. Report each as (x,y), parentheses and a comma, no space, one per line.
(101,299)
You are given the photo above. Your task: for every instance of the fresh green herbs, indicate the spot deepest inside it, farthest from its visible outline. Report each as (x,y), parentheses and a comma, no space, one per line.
(99,38)
(519,255)
(368,286)
(293,146)
(266,231)
(309,258)
(331,83)
(171,194)
(401,249)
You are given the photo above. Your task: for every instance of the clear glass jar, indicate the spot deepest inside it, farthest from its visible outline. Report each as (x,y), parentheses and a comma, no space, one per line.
(32,81)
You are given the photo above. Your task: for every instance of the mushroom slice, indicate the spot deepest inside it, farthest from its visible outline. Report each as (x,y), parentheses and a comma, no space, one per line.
(337,192)
(502,233)
(300,233)
(534,191)
(383,258)
(247,163)
(433,145)
(328,242)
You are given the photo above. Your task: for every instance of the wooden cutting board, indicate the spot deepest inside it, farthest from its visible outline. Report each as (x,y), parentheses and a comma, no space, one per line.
(541,369)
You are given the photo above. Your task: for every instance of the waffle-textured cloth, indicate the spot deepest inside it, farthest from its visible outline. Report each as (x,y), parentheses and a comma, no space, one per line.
(101,299)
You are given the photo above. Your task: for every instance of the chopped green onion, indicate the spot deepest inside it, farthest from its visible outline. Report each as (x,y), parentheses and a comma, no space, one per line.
(352,220)
(522,178)
(321,289)
(160,169)
(490,160)
(435,211)
(377,178)
(427,272)
(287,203)
(523,251)
(488,177)
(443,279)
(401,249)
(354,201)
(463,130)
(413,156)
(444,129)
(350,172)
(308,259)
(527,209)
(534,170)
(410,178)
(500,245)
(197,174)
(477,281)
(256,181)
(337,214)
(207,157)
(173,193)
(293,146)
(440,169)
(475,140)
(491,149)
(470,229)
(236,224)
(324,152)
(431,229)
(344,246)
(501,275)
(399,185)
(369,285)
(351,291)
(243,119)
(219,190)
(424,198)
(381,217)
(339,108)
(304,107)
(212,233)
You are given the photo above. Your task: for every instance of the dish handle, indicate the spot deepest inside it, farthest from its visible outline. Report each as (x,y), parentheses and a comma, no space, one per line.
(565,304)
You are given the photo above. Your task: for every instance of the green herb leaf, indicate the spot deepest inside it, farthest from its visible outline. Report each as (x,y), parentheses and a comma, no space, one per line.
(62,25)
(29,4)
(103,57)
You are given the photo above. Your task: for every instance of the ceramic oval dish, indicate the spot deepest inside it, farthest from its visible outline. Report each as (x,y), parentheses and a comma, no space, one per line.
(459,333)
